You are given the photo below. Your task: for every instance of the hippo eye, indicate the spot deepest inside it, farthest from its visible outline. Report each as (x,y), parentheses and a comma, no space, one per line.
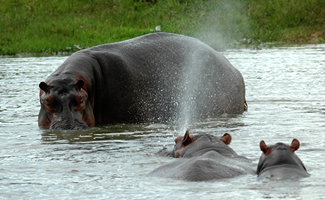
(48,103)
(45,101)
(81,100)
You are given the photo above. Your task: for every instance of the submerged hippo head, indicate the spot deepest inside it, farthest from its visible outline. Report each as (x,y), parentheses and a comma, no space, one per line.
(204,157)
(64,105)
(182,142)
(280,161)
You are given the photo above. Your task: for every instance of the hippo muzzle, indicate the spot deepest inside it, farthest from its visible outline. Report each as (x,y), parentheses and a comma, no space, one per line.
(68,126)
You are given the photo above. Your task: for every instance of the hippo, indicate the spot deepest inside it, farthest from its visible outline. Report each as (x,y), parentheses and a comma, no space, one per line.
(280,162)
(204,157)
(151,78)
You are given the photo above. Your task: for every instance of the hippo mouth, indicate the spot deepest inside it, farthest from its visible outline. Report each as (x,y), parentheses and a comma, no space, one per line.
(68,126)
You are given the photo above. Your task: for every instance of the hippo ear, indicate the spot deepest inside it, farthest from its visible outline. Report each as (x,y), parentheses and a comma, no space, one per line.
(226,138)
(187,139)
(178,140)
(263,146)
(80,84)
(294,145)
(43,86)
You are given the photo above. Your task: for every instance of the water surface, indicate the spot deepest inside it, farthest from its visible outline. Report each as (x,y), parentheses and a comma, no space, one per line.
(285,89)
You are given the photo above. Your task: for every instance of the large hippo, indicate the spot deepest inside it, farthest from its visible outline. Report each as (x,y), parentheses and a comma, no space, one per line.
(280,162)
(152,78)
(204,157)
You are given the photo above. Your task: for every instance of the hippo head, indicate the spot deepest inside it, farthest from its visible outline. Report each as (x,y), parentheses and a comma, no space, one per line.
(278,154)
(182,142)
(64,105)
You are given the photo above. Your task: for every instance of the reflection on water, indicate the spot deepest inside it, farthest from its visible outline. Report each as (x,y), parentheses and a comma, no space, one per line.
(137,131)
(113,132)
(285,89)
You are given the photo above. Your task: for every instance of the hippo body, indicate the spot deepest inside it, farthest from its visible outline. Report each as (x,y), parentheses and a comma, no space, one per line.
(205,159)
(150,78)
(280,162)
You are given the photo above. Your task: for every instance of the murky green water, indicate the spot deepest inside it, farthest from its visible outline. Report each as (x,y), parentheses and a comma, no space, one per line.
(285,93)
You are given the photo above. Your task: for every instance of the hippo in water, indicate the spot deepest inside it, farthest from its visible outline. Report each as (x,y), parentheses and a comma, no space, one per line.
(280,162)
(151,78)
(204,157)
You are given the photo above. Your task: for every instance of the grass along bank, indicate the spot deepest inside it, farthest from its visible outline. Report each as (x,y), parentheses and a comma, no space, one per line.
(36,26)
(287,21)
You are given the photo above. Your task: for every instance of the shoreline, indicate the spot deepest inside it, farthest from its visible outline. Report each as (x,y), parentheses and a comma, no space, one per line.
(241,46)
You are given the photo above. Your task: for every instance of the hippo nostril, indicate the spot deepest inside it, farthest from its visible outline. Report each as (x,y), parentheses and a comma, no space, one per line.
(61,125)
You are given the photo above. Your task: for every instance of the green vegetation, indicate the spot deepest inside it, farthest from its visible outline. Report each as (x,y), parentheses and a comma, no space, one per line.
(37,26)
(287,20)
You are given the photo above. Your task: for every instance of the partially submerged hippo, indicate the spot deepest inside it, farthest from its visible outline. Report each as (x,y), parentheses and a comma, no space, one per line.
(280,162)
(149,78)
(204,158)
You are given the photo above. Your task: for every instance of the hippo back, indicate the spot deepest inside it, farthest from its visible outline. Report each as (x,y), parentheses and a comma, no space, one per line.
(171,75)
(283,172)
(207,167)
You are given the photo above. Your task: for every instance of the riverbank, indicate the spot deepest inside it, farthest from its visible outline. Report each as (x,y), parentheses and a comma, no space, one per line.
(35,26)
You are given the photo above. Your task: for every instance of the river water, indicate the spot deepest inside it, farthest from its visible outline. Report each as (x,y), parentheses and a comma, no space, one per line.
(285,91)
